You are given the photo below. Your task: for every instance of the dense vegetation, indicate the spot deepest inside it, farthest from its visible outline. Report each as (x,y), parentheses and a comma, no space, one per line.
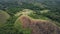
(13,7)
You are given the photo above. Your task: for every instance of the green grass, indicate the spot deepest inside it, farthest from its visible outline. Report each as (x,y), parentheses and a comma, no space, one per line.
(4,16)
(35,16)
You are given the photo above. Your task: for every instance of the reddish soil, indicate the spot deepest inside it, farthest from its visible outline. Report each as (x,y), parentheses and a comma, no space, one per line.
(39,27)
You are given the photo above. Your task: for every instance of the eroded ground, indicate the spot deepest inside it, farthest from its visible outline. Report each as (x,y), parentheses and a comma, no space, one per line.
(39,26)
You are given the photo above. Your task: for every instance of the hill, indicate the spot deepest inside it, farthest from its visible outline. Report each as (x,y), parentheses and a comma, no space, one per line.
(39,26)
(3,17)
(45,12)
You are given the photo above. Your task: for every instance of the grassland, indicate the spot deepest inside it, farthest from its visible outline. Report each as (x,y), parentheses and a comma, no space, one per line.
(4,16)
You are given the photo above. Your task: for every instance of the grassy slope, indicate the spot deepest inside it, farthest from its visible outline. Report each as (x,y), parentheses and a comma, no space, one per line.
(3,17)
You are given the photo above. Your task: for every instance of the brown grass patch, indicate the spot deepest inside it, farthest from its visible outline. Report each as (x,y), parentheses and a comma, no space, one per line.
(39,26)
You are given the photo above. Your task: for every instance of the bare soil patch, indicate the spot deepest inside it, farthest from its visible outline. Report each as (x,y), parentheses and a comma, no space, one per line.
(39,26)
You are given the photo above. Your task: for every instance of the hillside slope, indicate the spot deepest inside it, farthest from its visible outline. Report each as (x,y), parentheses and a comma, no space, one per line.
(4,16)
(41,16)
(39,26)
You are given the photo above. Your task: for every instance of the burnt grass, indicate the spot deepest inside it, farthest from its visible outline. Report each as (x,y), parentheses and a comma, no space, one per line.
(39,27)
